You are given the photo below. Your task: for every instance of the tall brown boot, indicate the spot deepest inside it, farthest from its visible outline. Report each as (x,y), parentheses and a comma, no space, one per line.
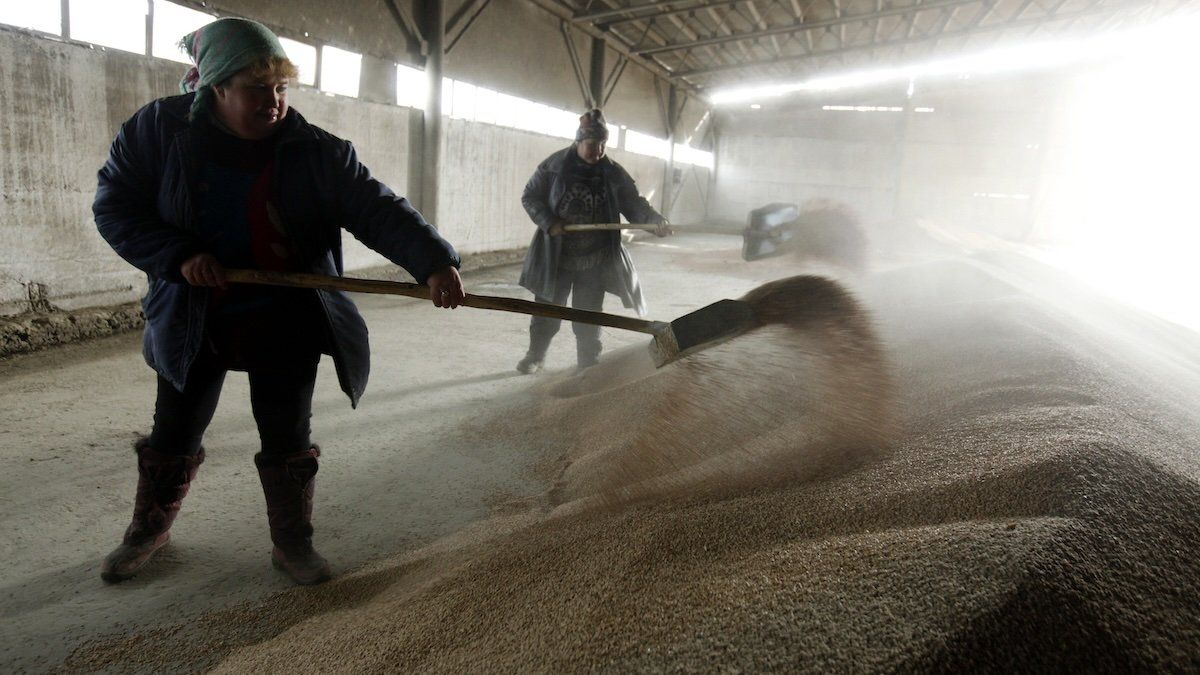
(289,482)
(163,482)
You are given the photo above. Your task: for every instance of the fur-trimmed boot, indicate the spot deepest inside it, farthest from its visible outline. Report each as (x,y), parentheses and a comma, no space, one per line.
(289,482)
(163,482)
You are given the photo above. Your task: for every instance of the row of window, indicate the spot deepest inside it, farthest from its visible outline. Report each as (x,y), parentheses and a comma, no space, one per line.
(463,100)
(1001,195)
(121,24)
(873,108)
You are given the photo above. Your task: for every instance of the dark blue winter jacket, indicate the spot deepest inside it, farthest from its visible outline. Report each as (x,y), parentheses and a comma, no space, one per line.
(145,210)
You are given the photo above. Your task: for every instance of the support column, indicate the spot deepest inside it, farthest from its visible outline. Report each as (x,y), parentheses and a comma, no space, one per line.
(1038,173)
(669,177)
(714,174)
(596,73)
(434,27)
(149,27)
(899,209)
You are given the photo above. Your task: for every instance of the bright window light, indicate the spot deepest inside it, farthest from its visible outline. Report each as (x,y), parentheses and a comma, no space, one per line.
(340,71)
(645,144)
(1118,207)
(540,118)
(44,16)
(508,110)
(485,105)
(531,116)
(685,154)
(526,114)
(171,23)
(562,123)
(1009,59)
(462,100)
(519,113)
(120,24)
(863,108)
(873,108)
(614,136)
(1000,195)
(305,58)
(462,104)
(411,87)
(447,95)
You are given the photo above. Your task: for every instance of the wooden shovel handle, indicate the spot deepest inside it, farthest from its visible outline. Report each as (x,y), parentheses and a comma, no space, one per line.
(699,228)
(593,227)
(350,284)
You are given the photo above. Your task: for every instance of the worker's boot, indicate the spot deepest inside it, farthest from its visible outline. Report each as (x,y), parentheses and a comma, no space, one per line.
(531,363)
(163,482)
(587,350)
(288,484)
(535,358)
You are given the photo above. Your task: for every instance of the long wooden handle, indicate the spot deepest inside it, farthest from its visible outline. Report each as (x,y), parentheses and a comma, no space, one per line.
(593,227)
(350,284)
(698,228)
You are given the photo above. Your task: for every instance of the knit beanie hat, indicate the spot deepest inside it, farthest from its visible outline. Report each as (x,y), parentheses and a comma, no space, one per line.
(222,48)
(592,125)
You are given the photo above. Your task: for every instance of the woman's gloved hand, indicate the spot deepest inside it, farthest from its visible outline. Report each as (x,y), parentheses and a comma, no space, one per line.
(663,229)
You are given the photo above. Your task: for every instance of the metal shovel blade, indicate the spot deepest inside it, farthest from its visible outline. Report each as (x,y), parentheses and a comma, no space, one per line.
(769,230)
(701,329)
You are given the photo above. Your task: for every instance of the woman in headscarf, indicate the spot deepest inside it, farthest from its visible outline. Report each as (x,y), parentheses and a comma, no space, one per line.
(574,186)
(228,176)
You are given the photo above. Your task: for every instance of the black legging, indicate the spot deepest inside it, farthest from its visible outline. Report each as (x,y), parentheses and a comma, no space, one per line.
(280,397)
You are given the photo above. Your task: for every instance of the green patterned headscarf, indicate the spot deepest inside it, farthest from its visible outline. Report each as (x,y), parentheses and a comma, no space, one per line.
(222,48)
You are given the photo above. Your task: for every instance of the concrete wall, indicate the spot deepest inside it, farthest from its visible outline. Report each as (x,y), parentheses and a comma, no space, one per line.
(513,47)
(60,105)
(485,169)
(795,154)
(984,136)
(62,102)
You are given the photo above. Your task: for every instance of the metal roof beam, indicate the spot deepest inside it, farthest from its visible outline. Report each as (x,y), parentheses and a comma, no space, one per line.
(567,14)
(591,17)
(663,12)
(805,26)
(476,8)
(758,20)
(723,25)
(905,41)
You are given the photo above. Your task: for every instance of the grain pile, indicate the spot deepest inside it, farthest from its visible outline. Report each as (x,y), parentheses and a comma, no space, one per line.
(806,395)
(1026,520)
(829,231)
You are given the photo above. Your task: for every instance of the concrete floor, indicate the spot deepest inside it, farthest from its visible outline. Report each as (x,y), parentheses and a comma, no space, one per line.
(408,467)
(397,473)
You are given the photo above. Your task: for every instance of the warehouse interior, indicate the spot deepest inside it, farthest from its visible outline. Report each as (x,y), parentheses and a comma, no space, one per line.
(958,431)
